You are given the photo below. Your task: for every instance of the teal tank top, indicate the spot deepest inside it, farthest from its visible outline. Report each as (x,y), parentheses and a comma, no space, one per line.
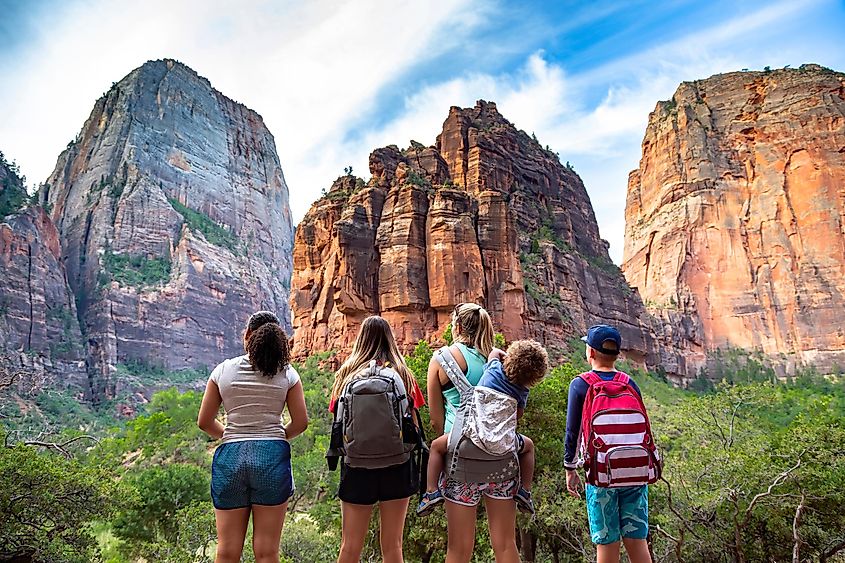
(475,369)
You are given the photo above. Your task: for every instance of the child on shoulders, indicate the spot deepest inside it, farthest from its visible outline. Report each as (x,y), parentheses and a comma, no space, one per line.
(512,373)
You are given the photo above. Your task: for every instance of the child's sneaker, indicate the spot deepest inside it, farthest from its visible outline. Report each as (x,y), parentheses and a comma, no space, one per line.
(524,502)
(429,502)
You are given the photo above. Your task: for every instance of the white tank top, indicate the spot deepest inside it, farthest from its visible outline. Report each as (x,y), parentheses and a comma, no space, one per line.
(252,401)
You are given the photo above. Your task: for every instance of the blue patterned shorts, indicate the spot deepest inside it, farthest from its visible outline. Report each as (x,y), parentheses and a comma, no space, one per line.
(251,472)
(617,512)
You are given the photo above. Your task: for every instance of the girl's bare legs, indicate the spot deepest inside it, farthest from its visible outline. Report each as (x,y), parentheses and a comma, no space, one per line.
(356,521)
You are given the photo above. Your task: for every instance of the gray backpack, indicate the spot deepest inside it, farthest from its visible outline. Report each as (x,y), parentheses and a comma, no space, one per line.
(466,460)
(371,420)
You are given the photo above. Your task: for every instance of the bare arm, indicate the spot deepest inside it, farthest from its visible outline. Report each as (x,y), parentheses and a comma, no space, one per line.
(436,408)
(519,412)
(207,417)
(298,413)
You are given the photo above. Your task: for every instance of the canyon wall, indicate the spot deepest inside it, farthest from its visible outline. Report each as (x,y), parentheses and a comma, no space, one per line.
(173,217)
(735,218)
(486,215)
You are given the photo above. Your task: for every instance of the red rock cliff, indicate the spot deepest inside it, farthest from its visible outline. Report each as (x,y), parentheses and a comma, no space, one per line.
(485,215)
(735,219)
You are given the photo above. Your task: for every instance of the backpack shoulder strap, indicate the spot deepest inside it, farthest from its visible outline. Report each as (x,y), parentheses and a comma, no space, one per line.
(453,370)
(622,377)
(591,378)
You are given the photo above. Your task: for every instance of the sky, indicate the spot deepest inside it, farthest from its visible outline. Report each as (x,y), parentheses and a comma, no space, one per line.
(334,80)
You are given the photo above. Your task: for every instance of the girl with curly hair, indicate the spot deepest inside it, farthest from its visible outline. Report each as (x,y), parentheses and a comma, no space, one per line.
(251,470)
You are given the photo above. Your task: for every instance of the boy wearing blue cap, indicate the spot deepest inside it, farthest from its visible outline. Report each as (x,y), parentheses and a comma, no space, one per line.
(619,513)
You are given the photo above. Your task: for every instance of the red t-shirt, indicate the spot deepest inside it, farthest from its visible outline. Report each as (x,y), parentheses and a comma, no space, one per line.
(416,395)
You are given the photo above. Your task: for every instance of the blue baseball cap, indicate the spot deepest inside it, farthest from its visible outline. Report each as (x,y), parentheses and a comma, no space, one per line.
(599,335)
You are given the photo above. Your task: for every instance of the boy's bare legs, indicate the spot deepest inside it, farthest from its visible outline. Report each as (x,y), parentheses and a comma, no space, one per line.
(607,553)
(436,461)
(526,463)
(637,550)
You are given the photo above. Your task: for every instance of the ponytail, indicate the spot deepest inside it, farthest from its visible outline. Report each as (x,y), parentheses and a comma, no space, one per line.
(476,327)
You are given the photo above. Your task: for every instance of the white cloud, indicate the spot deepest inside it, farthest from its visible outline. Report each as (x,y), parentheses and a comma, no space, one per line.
(315,71)
(602,139)
(311,69)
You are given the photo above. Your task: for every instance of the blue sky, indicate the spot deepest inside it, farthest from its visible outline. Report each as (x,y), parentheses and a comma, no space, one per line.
(334,80)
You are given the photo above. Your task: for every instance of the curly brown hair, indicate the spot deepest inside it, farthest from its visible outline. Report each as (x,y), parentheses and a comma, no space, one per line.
(267,344)
(526,363)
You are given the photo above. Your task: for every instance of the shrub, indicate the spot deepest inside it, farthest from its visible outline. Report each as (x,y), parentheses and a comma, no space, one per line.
(213,232)
(134,271)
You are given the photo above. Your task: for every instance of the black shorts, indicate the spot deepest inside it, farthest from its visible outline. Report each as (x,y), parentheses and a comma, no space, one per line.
(369,486)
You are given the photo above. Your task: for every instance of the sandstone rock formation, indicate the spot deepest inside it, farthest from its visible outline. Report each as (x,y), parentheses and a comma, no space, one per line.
(173,216)
(37,309)
(485,215)
(735,219)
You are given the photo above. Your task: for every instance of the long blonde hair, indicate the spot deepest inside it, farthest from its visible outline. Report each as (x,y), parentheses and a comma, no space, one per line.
(375,342)
(475,328)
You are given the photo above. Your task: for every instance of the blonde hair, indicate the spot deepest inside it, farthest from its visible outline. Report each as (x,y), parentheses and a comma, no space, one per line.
(375,341)
(475,328)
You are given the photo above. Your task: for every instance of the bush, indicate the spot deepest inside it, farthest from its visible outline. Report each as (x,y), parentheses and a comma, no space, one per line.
(160,493)
(135,271)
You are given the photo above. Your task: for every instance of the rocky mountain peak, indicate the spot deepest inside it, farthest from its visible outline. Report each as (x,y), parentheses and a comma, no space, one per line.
(734,218)
(485,215)
(174,220)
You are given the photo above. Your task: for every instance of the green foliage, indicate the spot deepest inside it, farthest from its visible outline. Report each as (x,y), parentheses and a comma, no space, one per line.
(414,178)
(66,319)
(167,432)
(447,334)
(541,296)
(13,194)
(499,341)
(134,271)
(313,479)
(160,493)
(213,232)
(305,541)
(142,373)
(47,502)
(194,538)
(12,197)
(418,361)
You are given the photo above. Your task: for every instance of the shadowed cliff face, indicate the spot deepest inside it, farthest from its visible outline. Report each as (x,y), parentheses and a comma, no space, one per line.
(735,219)
(485,215)
(174,222)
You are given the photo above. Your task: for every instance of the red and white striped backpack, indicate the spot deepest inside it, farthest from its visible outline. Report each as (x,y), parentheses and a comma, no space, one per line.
(617,446)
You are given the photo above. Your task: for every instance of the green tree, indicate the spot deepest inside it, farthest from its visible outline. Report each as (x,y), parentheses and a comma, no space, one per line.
(47,502)
(160,493)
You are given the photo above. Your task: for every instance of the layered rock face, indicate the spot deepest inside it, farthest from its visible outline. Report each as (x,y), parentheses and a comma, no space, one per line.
(485,215)
(735,219)
(173,216)
(38,323)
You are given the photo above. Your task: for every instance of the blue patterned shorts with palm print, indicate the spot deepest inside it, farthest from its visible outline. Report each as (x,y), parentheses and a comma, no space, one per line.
(617,512)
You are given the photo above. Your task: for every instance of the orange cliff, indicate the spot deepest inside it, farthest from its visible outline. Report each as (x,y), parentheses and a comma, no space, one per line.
(735,219)
(485,215)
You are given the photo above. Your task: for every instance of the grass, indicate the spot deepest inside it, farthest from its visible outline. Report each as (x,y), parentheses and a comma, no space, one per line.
(135,271)
(213,232)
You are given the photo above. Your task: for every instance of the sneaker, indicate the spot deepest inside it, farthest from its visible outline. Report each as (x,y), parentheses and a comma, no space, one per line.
(524,502)
(429,502)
